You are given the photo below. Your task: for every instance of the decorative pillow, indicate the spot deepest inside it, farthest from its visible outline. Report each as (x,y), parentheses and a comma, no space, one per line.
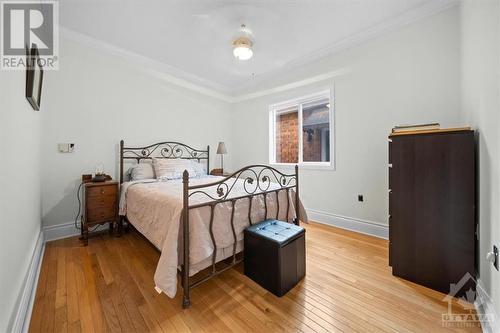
(142,171)
(199,168)
(166,168)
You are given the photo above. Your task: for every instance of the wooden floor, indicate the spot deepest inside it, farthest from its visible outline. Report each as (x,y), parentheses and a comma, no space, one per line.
(108,286)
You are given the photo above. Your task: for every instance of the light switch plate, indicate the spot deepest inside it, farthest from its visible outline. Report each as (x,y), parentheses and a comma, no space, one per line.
(66,147)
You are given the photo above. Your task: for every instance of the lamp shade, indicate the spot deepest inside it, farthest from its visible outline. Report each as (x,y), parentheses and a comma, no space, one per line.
(221,148)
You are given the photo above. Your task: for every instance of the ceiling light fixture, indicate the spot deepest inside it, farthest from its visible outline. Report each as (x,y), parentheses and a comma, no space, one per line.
(242,46)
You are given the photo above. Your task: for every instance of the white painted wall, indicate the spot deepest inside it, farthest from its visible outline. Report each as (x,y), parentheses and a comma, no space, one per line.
(416,74)
(439,69)
(97,99)
(480,37)
(408,76)
(20,207)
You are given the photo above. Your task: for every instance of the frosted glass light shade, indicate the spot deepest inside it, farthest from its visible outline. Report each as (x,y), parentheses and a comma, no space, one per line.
(242,48)
(243,52)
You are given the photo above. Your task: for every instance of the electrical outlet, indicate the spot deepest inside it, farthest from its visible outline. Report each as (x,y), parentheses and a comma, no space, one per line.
(495,251)
(493,257)
(360,198)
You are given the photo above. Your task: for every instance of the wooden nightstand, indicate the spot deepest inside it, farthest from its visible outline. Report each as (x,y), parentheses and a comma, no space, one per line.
(220,172)
(100,206)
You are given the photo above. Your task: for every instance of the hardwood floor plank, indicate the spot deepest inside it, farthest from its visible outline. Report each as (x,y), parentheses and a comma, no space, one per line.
(73,312)
(112,293)
(102,259)
(61,319)
(95,302)
(36,318)
(349,321)
(286,308)
(206,315)
(108,308)
(61,278)
(250,319)
(224,307)
(143,272)
(151,322)
(48,317)
(84,307)
(349,287)
(127,289)
(272,322)
(74,327)
(370,290)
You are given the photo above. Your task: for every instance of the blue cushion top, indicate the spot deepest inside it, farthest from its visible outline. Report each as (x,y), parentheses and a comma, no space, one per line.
(276,231)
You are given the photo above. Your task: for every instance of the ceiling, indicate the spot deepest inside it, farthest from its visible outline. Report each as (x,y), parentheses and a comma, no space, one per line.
(193,37)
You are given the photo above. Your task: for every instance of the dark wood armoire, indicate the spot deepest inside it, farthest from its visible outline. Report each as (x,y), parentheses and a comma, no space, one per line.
(432,219)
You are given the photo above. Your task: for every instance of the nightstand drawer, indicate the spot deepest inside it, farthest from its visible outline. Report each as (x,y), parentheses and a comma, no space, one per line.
(100,214)
(101,191)
(103,201)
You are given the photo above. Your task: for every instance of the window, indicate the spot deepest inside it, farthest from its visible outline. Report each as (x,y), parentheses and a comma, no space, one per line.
(300,131)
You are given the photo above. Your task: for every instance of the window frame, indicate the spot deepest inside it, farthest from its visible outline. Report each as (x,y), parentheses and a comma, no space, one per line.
(274,110)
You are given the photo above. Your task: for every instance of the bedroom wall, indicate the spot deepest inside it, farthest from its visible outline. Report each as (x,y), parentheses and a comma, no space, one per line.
(480,37)
(20,201)
(407,76)
(95,100)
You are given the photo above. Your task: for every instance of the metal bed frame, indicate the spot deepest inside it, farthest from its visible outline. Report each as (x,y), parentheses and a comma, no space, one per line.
(256,179)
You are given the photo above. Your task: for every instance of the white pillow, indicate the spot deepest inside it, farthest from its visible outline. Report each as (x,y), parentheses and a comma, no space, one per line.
(166,168)
(199,168)
(142,171)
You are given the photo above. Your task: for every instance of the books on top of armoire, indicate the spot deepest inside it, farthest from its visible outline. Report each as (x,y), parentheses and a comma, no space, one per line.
(424,129)
(415,127)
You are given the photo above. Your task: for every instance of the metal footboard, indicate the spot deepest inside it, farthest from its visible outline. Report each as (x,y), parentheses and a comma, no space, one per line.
(257,181)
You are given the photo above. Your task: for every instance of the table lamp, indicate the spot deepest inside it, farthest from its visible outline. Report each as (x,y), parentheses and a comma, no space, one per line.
(221,150)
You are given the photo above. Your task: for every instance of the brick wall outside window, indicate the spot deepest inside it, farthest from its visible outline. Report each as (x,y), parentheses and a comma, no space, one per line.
(287,138)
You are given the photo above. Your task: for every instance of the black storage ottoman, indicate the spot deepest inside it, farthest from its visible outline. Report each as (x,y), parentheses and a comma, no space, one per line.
(275,255)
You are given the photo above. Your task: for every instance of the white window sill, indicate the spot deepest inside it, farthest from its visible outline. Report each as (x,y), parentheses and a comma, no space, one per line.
(304,166)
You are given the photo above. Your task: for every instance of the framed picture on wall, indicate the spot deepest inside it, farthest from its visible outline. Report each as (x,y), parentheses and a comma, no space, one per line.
(34,77)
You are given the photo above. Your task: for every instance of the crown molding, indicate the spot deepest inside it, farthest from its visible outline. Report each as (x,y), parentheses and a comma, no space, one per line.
(153,67)
(293,85)
(221,92)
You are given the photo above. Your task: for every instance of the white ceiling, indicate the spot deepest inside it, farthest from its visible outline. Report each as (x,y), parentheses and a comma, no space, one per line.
(193,37)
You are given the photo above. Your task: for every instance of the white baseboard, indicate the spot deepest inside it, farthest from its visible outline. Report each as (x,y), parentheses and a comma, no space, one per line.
(59,231)
(64,230)
(22,315)
(376,229)
(371,228)
(484,306)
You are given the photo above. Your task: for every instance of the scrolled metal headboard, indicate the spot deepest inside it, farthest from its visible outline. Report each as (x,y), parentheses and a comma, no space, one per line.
(167,149)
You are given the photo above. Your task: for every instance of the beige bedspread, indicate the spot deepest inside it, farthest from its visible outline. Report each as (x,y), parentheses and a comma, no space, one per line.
(154,208)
